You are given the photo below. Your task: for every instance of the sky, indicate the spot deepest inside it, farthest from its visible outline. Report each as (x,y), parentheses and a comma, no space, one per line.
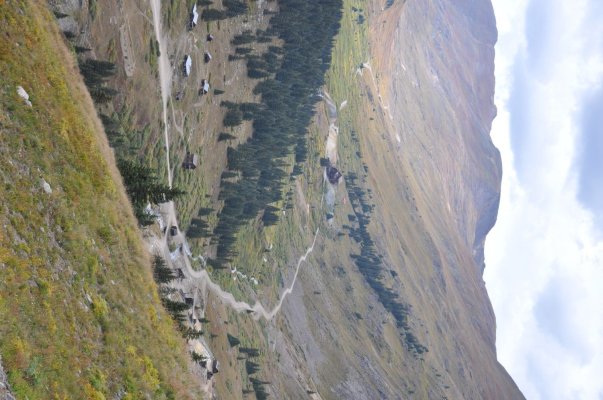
(544,257)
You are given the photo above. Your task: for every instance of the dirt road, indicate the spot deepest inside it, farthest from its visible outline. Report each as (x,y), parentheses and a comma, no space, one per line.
(165,78)
(180,259)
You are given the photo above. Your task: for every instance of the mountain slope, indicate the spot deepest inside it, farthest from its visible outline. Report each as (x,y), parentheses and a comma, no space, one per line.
(414,108)
(81,317)
(433,176)
(390,302)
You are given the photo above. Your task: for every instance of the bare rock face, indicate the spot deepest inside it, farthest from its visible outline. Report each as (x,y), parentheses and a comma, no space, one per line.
(5,393)
(481,31)
(70,13)
(68,7)
(439,63)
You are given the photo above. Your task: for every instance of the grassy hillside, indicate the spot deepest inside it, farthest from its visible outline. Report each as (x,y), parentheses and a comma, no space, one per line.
(81,318)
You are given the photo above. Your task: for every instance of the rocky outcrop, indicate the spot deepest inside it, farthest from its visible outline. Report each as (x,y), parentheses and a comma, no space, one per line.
(69,14)
(5,393)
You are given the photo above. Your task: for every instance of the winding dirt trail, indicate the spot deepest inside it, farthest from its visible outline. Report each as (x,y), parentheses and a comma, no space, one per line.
(257,310)
(181,259)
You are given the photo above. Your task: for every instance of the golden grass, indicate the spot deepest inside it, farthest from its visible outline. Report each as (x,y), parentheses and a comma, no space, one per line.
(81,318)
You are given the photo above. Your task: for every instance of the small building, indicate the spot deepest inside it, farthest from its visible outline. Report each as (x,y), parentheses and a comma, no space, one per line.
(333,175)
(191,161)
(194,16)
(204,87)
(207,57)
(210,37)
(188,64)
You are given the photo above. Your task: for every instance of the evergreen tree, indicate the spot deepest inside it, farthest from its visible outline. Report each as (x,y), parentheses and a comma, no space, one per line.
(233,118)
(142,186)
(225,136)
(161,272)
(197,357)
(190,333)
(232,341)
(251,367)
(290,77)
(176,309)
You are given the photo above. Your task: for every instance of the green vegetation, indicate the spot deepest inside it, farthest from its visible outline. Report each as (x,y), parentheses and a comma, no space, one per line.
(251,368)
(81,316)
(143,187)
(92,9)
(163,276)
(96,73)
(232,9)
(233,341)
(154,53)
(370,265)
(225,136)
(258,388)
(161,272)
(280,121)
(141,184)
(176,309)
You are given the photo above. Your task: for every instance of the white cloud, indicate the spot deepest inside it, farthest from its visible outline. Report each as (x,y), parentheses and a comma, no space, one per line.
(544,265)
